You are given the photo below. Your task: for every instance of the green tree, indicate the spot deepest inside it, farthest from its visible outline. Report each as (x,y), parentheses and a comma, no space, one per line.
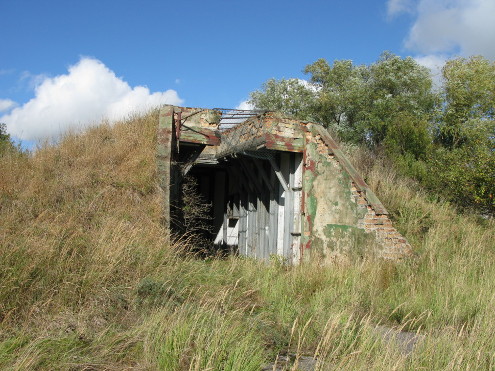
(360,103)
(469,94)
(5,141)
(445,139)
(399,89)
(342,96)
(290,96)
(464,161)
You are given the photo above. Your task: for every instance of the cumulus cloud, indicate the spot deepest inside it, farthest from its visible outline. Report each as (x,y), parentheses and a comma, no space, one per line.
(88,93)
(6,104)
(435,64)
(245,105)
(444,29)
(464,27)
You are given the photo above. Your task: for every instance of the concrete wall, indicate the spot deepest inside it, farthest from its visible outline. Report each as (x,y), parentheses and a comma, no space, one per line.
(342,219)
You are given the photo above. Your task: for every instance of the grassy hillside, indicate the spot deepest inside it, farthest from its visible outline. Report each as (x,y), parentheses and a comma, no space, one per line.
(88,282)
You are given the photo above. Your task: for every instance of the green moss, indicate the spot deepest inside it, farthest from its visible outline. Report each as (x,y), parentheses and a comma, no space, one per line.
(312,206)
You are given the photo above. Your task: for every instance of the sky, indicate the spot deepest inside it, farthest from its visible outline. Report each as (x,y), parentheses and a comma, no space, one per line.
(65,65)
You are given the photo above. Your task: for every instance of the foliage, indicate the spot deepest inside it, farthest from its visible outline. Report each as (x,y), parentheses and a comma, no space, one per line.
(196,220)
(342,95)
(444,139)
(5,141)
(466,173)
(465,157)
(469,95)
(291,96)
(359,102)
(399,88)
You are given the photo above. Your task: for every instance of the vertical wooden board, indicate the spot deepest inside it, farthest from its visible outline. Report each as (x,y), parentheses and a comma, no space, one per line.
(298,165)
(297,193)
(259,227)
(252,230)
(248,224)
(242,223)
(288,169)
(281,214)
(266,221)
(272,229)
(219,204)
(224,228)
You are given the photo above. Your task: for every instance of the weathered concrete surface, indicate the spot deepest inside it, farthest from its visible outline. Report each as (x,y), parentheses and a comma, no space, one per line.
(343,217)
(405,341)
(332,214)
(269,130)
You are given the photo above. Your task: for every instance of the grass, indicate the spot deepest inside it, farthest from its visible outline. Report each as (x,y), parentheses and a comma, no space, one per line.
(88,281)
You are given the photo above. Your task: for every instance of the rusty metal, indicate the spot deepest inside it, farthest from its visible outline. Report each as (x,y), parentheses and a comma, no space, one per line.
(178,124)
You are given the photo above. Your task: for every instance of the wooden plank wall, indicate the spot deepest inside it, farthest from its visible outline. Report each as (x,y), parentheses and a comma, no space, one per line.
(267,203)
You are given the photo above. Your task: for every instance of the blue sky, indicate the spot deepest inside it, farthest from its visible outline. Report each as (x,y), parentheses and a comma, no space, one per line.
(66,64)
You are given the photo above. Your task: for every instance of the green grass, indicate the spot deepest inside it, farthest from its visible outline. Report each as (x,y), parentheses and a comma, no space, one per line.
(88,281)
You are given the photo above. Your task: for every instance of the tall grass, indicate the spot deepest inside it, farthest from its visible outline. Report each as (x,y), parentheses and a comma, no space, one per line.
(88,281)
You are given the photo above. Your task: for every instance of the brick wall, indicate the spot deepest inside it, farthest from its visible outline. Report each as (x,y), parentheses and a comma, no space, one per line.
(393,243)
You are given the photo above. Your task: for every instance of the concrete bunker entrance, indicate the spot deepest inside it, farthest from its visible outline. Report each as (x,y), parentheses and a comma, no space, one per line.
(255,202)
(275,186)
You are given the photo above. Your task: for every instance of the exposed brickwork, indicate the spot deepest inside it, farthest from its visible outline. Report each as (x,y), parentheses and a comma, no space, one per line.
(393,243)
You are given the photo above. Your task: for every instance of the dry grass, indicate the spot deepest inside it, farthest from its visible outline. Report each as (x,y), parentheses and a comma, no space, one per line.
(88,282)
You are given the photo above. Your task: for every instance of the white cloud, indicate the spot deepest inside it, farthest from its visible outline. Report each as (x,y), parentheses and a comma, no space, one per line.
(88,93)
(245,105)
(6,104)
(464,27)
(396,7)
(32,81)
(435,64)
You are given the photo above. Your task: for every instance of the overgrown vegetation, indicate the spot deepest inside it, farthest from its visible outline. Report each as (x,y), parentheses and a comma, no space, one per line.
(88,281)
(6,143)
(443,137)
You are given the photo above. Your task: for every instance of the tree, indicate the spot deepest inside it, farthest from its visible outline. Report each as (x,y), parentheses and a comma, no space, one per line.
(464,161)
(5,141)
(362,104)
(399,88)
(469,94)
(290,96)
(342,96)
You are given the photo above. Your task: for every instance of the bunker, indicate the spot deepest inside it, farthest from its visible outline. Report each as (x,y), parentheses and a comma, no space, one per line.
(277,186)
